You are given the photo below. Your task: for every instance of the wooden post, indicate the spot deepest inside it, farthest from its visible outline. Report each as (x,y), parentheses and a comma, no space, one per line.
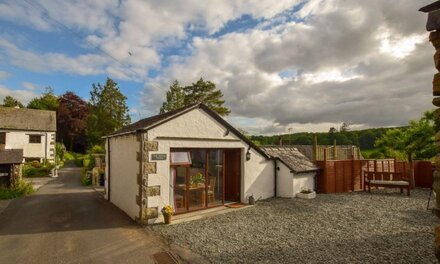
(334,150)
(315,146)
(352,171)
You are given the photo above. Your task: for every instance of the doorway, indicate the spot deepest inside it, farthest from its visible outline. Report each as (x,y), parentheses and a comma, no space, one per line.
(232,175)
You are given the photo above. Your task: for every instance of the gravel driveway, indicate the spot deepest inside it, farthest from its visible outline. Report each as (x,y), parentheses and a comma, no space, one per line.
(382,227)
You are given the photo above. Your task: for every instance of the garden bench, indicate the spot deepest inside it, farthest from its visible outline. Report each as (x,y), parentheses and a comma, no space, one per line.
(386,179)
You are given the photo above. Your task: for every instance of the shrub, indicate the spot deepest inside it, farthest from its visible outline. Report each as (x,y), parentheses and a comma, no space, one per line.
(36,164)
(21,189)
(96,149)
(43,171)
(85,178)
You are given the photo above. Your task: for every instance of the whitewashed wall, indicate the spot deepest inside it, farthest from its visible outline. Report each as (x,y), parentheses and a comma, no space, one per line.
(20,140)
(303,180)
(284,181)
(124,168)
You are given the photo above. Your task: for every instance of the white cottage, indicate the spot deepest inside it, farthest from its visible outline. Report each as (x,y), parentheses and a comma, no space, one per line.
(30,130)
(191,159)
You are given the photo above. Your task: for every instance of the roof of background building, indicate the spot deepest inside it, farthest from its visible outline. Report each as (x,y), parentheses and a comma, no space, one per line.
(11,156)
(291,157)
(27,119)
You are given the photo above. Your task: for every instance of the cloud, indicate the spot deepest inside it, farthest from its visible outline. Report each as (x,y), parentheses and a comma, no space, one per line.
(306,65)
(29,86)
(350,62)
(4,75)
(24,96)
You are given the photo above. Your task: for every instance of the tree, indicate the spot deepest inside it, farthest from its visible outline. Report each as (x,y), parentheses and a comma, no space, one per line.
(345,127)
(332,130)
(47,101)
(72,121)
(200,92)
(10,101)
(417,141)
(175,98)
(108,113)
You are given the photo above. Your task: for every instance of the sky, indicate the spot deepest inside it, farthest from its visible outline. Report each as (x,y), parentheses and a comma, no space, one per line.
(296,65)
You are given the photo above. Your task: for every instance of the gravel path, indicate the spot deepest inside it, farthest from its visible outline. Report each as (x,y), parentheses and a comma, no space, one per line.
(382,227)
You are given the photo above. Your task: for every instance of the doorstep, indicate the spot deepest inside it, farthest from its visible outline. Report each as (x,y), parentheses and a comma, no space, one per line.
(201,214)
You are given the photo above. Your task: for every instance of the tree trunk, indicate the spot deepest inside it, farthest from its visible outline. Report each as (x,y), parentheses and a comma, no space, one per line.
(411,171)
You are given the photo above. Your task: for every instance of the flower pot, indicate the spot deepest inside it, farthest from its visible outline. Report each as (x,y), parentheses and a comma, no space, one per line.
(167,219)
(306,195)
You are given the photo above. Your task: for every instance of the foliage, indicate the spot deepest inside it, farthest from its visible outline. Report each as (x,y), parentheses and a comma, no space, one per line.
(363,138)
(47,101)
(96,149)
(200,92)
(417,141)
(60,154)
(175,98)
(108,113)
(72,121)
(167,210)
(69,155)
(85,179)
(35,169)
(305,190)
(10,101)
(198,178)
(22,188)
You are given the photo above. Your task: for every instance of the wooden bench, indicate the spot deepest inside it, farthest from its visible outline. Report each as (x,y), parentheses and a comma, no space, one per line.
(386,179)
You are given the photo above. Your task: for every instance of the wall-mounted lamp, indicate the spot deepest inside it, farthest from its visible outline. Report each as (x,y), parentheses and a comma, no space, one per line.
(248,153)
(227,132)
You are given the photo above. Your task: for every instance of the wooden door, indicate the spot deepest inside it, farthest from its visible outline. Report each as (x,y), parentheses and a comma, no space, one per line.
(232,175)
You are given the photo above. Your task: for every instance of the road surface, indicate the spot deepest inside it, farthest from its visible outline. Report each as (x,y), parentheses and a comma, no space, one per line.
(65,222)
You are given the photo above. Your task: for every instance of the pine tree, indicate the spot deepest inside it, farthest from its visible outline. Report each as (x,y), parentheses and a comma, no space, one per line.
(205,92)
(109,111)
(175,98)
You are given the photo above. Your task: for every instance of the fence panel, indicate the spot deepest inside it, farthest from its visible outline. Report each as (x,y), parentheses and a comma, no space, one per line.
(339,176)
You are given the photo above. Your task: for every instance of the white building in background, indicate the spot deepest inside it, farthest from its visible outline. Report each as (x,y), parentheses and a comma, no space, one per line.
(192,159)
(33,131)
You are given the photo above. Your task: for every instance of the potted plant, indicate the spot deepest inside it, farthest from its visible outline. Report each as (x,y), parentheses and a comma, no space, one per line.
(167,212)
(197,179)
(306,193)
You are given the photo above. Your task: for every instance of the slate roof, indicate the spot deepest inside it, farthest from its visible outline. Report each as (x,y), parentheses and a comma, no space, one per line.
(291,157)
(11,156)
(27,119)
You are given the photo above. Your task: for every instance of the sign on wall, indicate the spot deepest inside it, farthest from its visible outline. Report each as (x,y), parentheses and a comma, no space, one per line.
(158,156)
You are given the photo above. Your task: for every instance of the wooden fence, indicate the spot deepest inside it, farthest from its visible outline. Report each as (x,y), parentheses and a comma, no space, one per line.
(338,176)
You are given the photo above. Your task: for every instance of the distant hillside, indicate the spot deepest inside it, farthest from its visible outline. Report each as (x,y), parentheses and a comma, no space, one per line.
(363,138)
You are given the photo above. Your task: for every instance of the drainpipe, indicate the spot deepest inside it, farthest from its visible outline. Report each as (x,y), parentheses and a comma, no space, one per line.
(45,148)
(108,169)
(275,170)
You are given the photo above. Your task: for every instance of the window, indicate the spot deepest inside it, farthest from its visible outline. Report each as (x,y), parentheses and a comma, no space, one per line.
(34,138)
(2,138)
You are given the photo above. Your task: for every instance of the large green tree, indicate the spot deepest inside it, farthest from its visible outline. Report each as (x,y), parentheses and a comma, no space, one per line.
(175,98)
(415,142)
(72,121)
(10,101)
(200,92)
(108,112)
(47,101)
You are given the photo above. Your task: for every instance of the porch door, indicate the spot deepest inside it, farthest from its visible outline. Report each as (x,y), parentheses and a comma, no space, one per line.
(232,175)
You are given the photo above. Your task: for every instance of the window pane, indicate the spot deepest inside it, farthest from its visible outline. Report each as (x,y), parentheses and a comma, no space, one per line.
(215,177)
(2,138)
(179,176)
(196,191)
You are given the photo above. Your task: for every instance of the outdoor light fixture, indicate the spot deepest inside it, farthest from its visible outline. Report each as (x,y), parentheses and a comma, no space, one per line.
(227,132)
(248,153)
